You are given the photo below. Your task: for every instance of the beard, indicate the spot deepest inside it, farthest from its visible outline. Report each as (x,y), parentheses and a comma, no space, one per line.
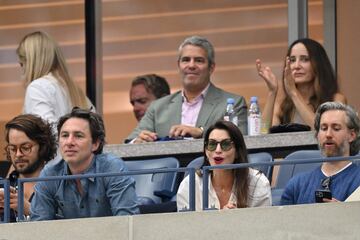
(31,168)
(337,151)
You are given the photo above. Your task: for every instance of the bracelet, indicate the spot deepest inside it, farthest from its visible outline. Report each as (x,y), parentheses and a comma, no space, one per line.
(202,131)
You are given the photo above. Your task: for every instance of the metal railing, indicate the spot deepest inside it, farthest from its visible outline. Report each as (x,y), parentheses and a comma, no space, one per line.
(21,182)
(206,170)
(191,171)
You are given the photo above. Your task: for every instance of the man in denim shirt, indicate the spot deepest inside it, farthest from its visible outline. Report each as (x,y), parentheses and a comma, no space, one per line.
(81,140)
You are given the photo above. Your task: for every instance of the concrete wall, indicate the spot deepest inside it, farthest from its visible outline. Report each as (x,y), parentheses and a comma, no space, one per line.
(320,221)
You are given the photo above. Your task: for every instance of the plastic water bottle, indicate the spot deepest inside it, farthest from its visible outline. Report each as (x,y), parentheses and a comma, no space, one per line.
(230,115)
(254,117)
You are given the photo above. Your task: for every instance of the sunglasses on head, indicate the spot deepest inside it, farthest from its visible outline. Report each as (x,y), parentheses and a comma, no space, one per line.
(325,183)
(225,144)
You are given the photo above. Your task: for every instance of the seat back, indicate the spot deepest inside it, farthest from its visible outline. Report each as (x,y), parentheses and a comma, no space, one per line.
(148,186)
(4,168)
(286,172)
(262,157)
(253,158)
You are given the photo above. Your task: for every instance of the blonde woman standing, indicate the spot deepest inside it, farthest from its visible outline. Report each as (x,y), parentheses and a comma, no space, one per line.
(50,91)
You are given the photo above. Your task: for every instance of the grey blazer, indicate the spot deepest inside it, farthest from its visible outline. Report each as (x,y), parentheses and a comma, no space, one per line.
(165,112)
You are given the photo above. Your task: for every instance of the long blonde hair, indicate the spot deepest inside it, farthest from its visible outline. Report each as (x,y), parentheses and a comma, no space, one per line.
(40,55)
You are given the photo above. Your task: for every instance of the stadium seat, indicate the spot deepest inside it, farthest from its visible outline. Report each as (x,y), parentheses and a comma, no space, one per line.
(154,188)
(286,172)
(262,157)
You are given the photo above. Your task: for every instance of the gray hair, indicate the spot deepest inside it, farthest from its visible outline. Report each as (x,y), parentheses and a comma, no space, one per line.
(352,121)
(199,42)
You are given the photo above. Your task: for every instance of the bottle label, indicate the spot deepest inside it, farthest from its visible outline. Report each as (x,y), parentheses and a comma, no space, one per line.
(234,120)
(254,124)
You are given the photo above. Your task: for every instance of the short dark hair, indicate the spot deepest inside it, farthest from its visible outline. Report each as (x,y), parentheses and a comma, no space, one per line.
(96,125)
(153,83)
(352,121)
(38,130)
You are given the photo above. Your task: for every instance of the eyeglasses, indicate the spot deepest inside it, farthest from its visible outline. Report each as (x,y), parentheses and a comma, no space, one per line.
(325,183)
(25,149)
(225,144)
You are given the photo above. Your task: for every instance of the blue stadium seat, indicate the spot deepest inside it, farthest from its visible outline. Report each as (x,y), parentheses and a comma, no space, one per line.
(157,187)
(288,171)
(262,157)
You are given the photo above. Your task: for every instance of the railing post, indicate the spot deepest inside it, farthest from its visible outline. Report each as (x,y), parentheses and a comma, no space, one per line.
(205,188)
(192,189)
(6,200)
(20,193)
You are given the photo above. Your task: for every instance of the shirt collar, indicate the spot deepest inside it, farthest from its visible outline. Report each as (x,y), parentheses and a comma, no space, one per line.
(90,170)
(201,96)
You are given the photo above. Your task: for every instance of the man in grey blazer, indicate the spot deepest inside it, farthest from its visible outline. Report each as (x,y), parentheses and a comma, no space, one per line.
(189,112)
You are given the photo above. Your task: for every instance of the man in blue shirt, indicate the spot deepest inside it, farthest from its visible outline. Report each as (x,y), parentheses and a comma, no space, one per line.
(337,130)
(81,139)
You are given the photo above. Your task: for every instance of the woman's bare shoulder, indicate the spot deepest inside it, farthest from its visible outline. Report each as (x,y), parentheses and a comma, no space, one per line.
(339,97)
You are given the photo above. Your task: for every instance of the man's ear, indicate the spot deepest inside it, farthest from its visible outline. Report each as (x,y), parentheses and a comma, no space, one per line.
(95,146)
(212,68)
(352,135)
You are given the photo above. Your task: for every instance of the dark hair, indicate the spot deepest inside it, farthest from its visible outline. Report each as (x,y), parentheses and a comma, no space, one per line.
(153,83)
(38,130)
(96,125)
(240,174)
(325,82)
(202,43)
(352,121)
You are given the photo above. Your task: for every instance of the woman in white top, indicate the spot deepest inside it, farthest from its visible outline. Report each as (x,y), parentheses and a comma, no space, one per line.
(308,80)
(50,92)
(234,188)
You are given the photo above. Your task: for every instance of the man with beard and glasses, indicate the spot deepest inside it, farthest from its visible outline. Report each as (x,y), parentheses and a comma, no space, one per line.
(337,132)
(30,144)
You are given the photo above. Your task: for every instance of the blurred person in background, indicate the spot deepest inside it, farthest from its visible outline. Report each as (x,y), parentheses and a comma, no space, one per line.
(308,80)
(50,91)
(145,89)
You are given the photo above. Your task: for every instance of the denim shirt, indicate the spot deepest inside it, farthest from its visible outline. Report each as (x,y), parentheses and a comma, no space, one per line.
(107,196)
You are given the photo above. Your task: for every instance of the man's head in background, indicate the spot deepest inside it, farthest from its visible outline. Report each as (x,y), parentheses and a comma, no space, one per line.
(144,90)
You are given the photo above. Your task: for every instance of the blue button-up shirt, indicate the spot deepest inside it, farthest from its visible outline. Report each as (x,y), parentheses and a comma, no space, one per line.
(106,196)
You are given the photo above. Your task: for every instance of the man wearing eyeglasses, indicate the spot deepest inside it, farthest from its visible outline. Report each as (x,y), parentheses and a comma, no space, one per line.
(190,111)
(81,135)
(30,144)
(337,131)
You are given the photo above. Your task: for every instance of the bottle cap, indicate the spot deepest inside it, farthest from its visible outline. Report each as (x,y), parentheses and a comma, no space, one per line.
(230,101)
(253,99)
